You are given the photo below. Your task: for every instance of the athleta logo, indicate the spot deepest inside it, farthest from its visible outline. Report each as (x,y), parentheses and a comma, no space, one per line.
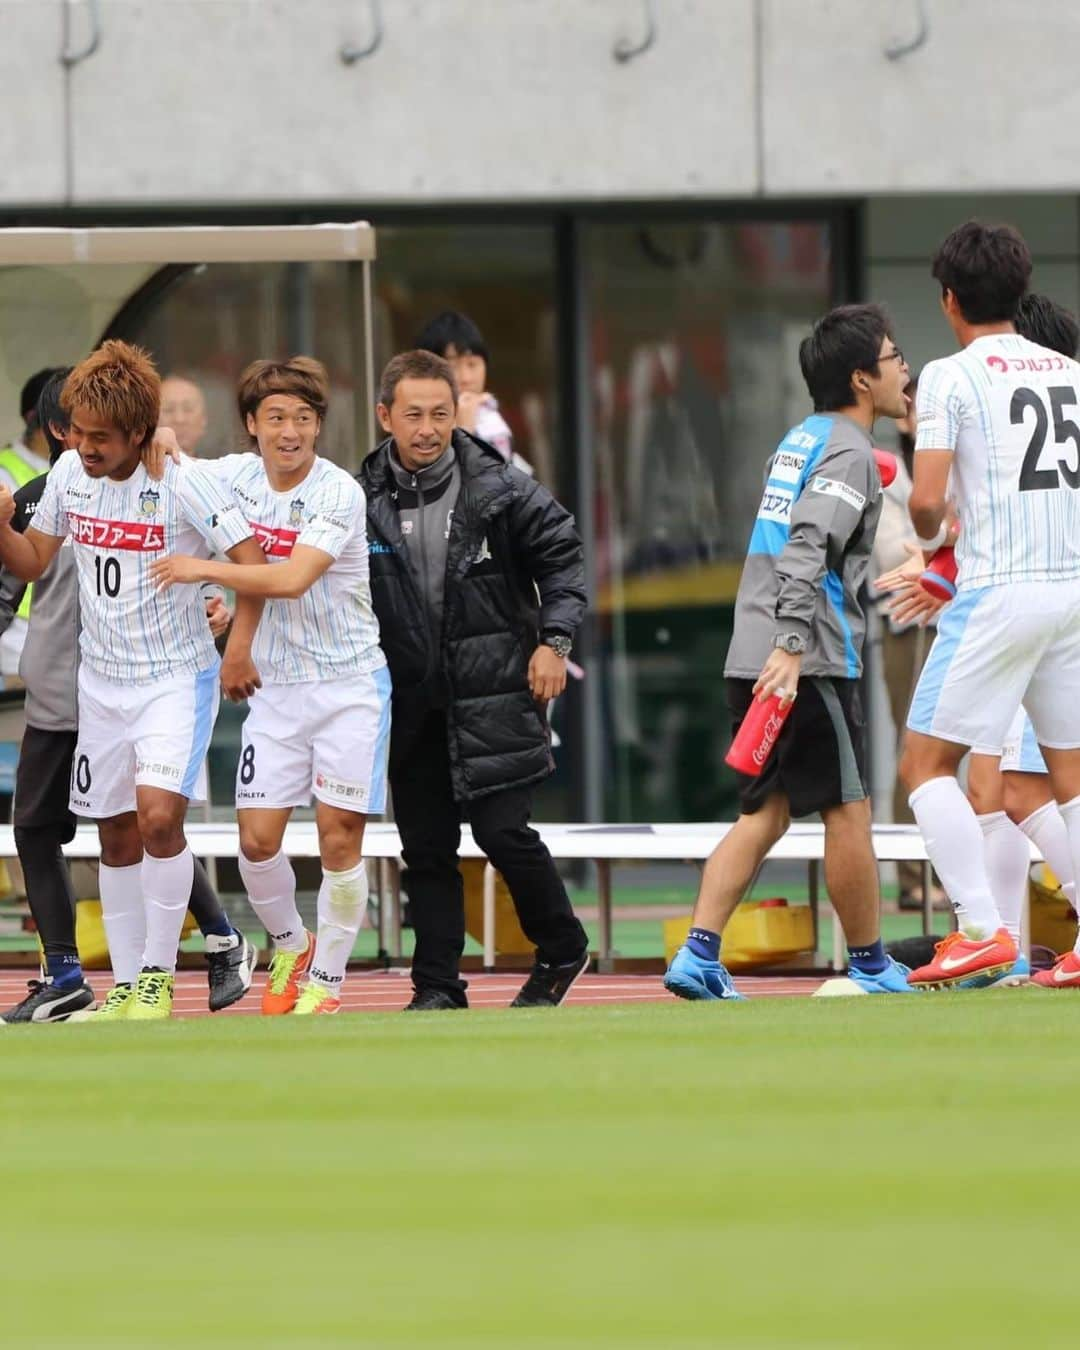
(274,542)
(136,536)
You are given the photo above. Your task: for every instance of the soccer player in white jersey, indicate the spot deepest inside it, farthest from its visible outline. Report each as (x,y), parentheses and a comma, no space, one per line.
(320,724)
(998,430)
(148,680)
(1011,792)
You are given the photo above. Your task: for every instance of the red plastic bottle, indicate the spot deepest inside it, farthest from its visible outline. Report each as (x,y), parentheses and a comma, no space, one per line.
(759,732)
(886,466)
(939,579)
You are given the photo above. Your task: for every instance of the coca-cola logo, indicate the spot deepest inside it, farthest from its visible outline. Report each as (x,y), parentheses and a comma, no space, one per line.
(769,733)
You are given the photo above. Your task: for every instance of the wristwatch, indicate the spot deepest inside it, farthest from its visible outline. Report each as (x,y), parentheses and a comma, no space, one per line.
(792,643)
(559,644)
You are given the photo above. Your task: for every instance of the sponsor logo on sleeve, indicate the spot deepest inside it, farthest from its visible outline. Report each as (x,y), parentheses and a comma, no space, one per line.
(832,487)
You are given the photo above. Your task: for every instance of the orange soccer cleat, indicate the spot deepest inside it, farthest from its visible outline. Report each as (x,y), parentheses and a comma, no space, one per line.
(962,962)
(1065,974)
(287,970)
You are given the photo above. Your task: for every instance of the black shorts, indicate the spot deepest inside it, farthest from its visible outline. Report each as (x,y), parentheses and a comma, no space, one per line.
(43,782)
(820,758)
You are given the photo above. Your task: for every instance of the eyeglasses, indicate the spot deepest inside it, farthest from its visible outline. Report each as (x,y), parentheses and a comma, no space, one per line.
(896,355)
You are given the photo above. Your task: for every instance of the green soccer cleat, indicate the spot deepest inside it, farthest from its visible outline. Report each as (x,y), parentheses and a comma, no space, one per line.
(153,996)
(314,1000)
(117,1006)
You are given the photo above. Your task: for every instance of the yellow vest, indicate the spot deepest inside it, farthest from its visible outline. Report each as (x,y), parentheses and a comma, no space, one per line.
(23,473)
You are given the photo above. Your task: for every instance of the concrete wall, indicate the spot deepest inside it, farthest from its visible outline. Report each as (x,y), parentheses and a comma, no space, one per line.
(233,101)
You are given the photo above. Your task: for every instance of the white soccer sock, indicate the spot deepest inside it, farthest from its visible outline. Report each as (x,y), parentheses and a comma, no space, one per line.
(122,913)
(1008,862)
(1046,830)
(271,888)
(343,897)
(955,845)
(166,891)
(1070,814)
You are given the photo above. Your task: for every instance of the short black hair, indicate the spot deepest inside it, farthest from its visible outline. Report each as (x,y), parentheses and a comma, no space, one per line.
(452,328)
(845,340)
(31,392)
(987,268)
(415,365)
(1051,325)
(51,410)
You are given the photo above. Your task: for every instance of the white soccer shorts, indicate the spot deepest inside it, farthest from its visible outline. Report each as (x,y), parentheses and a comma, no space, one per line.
(146,735)
(1020,751)
(330,738)
(998,647)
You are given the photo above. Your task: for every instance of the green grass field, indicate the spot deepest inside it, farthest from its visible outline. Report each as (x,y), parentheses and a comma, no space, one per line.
(787,1172)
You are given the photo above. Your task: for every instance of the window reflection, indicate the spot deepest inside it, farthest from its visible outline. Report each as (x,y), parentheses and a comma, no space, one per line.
(695,329)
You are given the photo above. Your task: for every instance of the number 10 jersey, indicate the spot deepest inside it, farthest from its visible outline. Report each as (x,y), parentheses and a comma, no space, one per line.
(131,633)
(1010,412)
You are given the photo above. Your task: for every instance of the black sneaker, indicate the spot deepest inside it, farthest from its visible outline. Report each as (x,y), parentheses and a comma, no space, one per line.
(433,1000)
(231,964)
(547,986)
(47,1003)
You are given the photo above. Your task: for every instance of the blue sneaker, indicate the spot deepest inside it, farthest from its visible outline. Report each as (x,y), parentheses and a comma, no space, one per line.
(892,980)
(1020,974)
(690,976)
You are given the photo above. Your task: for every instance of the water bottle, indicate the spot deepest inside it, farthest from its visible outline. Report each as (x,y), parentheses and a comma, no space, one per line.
(939,579)
(759,732)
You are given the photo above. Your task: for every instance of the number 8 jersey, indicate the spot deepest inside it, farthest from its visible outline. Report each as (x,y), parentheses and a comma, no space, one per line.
(1010,412)
(132,634)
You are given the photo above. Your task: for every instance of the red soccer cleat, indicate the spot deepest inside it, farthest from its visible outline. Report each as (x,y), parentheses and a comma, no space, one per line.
(1065,974)
(961,962)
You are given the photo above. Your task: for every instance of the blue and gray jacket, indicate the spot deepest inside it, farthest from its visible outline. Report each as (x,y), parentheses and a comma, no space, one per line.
(809,550)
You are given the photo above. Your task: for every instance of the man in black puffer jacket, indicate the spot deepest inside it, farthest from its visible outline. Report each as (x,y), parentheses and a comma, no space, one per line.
(478,584)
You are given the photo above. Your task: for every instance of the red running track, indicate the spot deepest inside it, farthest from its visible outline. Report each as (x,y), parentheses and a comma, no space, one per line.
(389,991)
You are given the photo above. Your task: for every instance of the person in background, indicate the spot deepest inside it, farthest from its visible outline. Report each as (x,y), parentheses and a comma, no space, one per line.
(183,408)
(456,338)
(44,821)
(903,644)
(20,463)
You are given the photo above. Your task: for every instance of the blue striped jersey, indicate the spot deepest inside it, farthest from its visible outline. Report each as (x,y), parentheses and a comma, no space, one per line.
(331,631)
(1009,411)
(131,634)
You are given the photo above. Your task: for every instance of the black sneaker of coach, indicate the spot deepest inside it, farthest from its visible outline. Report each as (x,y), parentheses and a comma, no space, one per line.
(547,986)
(230,965)
(434,1000)
(47,1002)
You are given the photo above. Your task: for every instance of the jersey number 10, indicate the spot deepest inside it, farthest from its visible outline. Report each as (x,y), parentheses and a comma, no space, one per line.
(107,571)
(1062,396)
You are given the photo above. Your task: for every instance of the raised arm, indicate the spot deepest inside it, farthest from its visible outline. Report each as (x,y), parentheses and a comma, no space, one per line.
(25,555)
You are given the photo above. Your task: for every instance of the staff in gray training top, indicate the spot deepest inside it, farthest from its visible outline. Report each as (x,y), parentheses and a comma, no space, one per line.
(798,617)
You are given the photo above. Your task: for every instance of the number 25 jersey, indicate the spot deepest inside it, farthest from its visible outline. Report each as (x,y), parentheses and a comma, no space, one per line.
(1010,412)
(132,634)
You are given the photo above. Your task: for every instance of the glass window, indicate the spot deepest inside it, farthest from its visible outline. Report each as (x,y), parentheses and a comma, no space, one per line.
(694,338)
(206,323)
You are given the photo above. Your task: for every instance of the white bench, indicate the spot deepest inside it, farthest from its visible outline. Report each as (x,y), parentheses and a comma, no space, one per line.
(602,845)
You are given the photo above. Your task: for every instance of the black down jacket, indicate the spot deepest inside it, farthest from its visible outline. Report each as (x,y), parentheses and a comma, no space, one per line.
(514,569)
